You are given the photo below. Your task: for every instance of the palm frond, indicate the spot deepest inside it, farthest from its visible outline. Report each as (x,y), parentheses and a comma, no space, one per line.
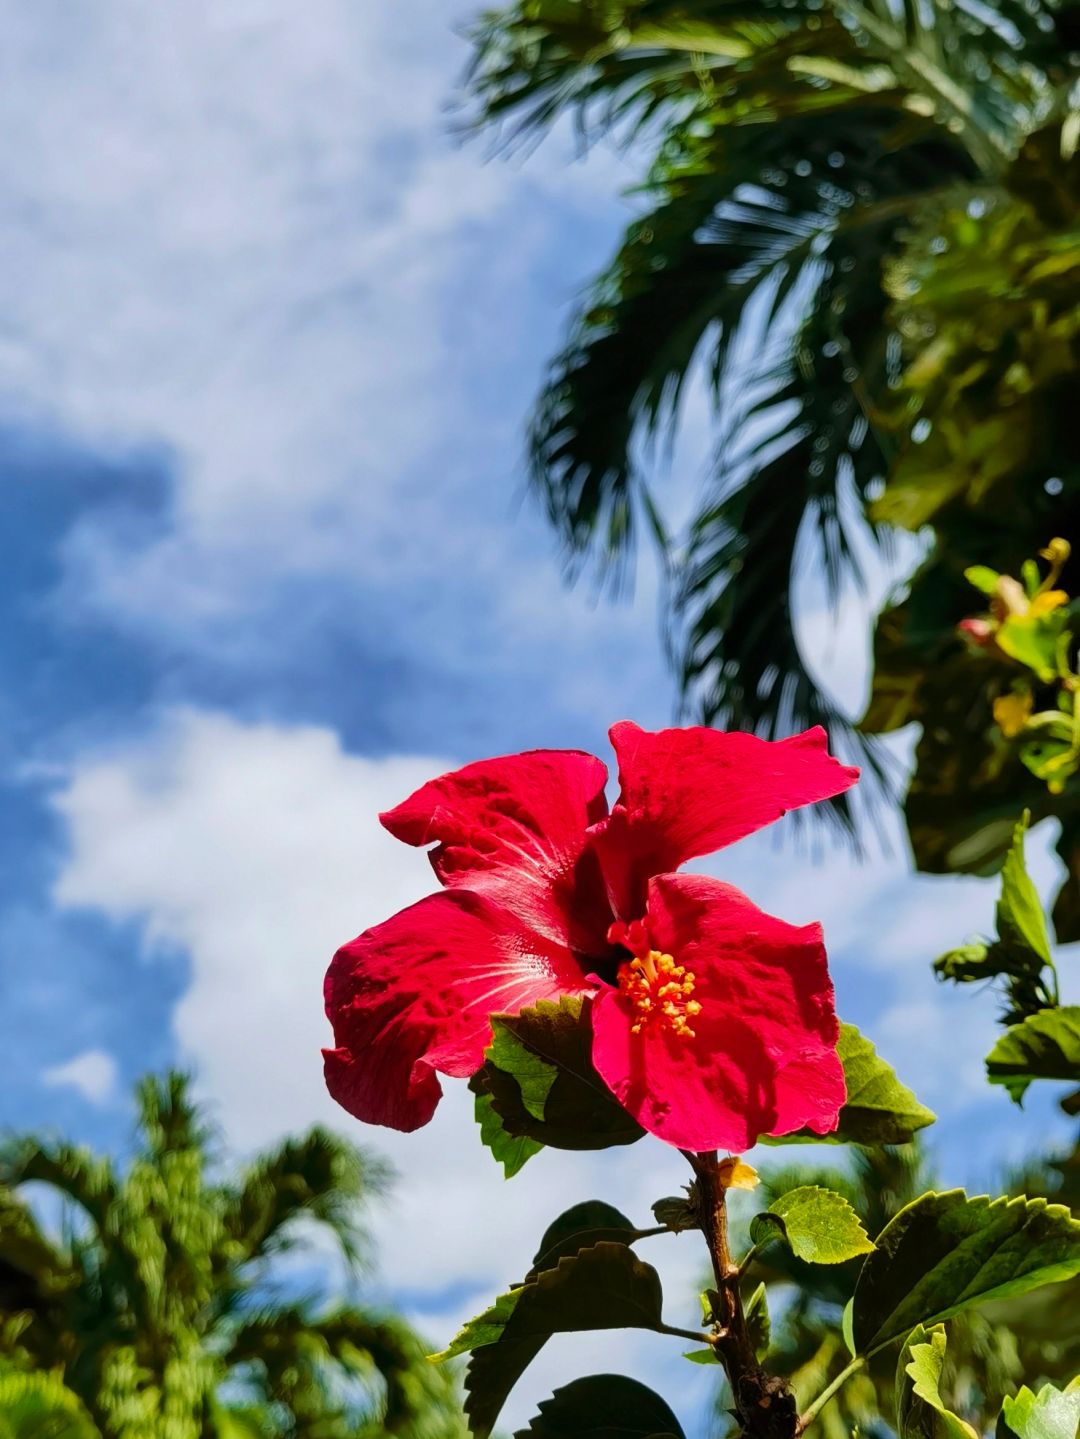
(169,1120)
(299,1357)
(70,1169)
(794,142)
(318,1176)
(38,1405)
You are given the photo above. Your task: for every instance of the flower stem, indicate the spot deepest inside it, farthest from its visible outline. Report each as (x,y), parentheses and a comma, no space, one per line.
(764,1402)
(826,1394)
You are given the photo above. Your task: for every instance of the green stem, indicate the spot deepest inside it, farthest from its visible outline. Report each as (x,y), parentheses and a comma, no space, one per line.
(748,1258)
(652,1233)
(810,1414)
(696,1336)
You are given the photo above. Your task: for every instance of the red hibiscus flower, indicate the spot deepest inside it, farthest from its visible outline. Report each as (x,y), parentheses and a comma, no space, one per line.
(713,1022)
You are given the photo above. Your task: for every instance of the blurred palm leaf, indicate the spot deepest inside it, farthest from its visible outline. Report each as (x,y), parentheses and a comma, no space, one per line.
(158,1305)
(793,140)
(39,1406)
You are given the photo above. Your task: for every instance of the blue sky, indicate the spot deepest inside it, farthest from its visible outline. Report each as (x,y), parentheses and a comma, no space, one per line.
(270,335)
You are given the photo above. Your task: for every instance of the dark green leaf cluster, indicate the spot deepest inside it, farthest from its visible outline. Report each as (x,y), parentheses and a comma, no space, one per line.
(1020,955)
(538,1086)
(1043,1037)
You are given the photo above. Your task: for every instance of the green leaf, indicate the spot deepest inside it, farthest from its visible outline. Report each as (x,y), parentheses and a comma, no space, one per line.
(512,1151)
(1032,640)
(758,1323)
(970,963)
(677,1212)
(982,577)
(818,1225)
(581,1227)
(702,1356)
(603,1406)
(1020,918)
(879,1109)
(944,1252)
(534,1075)
(1043,1046)
(846,1329)
(604,1287)
(1050,1414)
(539,1078)
(921,1412)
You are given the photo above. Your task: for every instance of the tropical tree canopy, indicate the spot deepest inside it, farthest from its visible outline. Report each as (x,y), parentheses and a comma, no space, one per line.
(888,195)
(160,1307)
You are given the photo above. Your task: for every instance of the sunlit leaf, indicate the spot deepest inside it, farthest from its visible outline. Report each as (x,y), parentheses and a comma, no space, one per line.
(817,1224)
(944,1252)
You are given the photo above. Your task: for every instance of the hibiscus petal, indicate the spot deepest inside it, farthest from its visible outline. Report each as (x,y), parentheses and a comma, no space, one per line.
(515,829)
(688,792)
(414,995)
(762,1059)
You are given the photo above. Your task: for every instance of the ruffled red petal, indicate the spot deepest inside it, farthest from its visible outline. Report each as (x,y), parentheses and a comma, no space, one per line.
(515,829)
(413,996)
(688,792)
(762,1059)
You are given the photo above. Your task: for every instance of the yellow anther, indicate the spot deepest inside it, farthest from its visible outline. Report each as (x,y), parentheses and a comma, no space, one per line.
(660,990)
(1049,600)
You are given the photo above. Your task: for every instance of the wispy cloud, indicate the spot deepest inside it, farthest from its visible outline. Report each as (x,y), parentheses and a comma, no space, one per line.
(93,1074)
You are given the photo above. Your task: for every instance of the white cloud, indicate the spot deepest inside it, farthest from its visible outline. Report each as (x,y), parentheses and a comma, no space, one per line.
(93,1073)
(247,236)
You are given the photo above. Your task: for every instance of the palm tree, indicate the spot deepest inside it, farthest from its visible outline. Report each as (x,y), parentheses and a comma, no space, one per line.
(161,1308)
(804,154)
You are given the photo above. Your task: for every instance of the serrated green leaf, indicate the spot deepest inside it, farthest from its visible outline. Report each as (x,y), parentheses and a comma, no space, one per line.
(758,1323)
(944,1252)
(539,1077)
(879,1108)
(512,1151)
(1043,1046)
(1050,1414)
(982,577)
(921,1413)
(1020,918)
(534,1075)
(580,1227)
(818,1225)
(603,1406)
(604,1287)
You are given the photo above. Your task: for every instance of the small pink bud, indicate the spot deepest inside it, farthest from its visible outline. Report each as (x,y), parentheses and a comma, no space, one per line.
(978,630)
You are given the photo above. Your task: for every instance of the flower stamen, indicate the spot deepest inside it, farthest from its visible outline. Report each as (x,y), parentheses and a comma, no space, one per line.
(660,990)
